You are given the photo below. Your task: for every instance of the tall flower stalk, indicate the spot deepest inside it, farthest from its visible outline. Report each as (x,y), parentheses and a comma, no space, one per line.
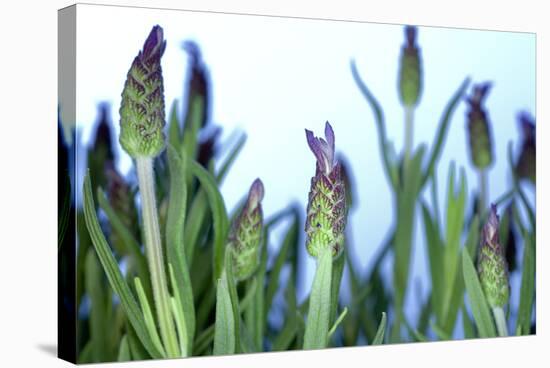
(325,225)
(142,120)
(410,85)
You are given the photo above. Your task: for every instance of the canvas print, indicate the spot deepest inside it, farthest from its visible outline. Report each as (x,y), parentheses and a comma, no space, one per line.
(232,184)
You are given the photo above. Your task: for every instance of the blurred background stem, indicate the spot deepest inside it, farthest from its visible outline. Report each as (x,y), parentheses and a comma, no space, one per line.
(483,191)
(153,248)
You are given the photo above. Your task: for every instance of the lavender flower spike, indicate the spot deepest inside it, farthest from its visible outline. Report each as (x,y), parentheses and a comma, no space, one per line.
(527,161)
(492,267)
(326,209)
(410,69)
(142,107)
(479,134)
(246,232)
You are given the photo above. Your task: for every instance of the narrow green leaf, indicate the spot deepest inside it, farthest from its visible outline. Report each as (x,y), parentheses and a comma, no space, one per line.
(224,337)
(181,280)
(197,216)
(231,158)
(443,128)
(232,289)
(336,280)
(435,201)
(380,125)
(137,350)
(291,237)
(181,328)
(247,346)
(318,318)
(424,317)
(478,303)
(98,320)
(457,296)
(132,245)
(219,213)
(472,239)
(181,316)
(286,336)
(453,280)
(337,322)
(255,314)
(456,202)
(290,328)
(174,130)
(441,334)
(84,356)
(415,334)
(404,233)
(113,273)
(124,350)
(250,293)
(435,250)
(527,291)
(148,316)
(379,337)
(204,340)
(456,300)
(207,304)
(467,325)
(193,122)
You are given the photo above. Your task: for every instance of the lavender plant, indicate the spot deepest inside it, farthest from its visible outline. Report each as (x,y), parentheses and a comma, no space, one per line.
(167,271)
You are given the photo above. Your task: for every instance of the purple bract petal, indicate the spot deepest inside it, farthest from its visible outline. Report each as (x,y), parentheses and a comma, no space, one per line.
(490,230)
(323,149)
(256,194)
(154,43)
(410,33)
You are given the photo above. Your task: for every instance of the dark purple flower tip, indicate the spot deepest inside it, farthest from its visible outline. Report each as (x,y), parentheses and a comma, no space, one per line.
(527,125)
(323,149)
(480,92)
(256,194)
(154,44)
(410,34)
(490,230)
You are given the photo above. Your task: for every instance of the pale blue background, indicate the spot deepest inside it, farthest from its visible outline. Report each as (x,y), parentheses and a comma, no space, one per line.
(273,77)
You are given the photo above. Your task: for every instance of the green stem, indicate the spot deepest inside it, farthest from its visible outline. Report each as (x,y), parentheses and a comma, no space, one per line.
(318,317)
(500,320)
(483,194)
(409,132)
(153,248)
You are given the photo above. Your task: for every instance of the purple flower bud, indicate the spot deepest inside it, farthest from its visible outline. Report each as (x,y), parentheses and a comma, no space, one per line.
(246,232)
(527,160)
(197,86)
(142,106)
(492,267)
(410,69)
(479,135)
